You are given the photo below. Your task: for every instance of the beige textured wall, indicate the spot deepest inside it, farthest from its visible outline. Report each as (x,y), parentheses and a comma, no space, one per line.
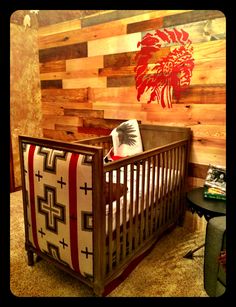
(25,93)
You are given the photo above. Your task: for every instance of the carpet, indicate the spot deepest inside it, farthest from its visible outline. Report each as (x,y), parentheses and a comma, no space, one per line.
(162,273)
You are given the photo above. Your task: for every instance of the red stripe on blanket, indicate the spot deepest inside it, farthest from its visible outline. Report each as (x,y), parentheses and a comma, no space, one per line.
(31,192)
(73,211)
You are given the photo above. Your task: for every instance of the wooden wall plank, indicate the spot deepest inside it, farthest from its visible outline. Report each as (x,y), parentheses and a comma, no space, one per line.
(209,50)
(194,16)
(122,114)
(65,95)
(84,113)
(47,107)
(82,35)
(142,16)
(59,27)
(204,94)
(128,58)
(117,71)
(203,155)
(84,63)
(88,73)
(52,109)
(115,15)
(53,66)
(120,81)
(63,53)
(62,120)
(67,128)
(217,68)
(100,82)
(209,130)
(197,170)
(101,122)
(121,94)
(47,84)
(115,44)
(140,26)
(111,105)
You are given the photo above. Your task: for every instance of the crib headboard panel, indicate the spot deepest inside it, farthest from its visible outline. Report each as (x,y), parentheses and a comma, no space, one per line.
(154,135)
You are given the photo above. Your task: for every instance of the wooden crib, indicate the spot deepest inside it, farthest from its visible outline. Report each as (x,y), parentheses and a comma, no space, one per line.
(95,219)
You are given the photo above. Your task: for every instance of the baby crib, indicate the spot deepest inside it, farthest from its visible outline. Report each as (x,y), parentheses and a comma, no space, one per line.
(95,219)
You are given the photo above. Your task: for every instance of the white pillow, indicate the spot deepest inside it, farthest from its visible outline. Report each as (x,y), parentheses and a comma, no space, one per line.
(126,139)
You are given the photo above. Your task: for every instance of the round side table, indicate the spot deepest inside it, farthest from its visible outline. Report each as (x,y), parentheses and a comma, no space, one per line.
(206,207)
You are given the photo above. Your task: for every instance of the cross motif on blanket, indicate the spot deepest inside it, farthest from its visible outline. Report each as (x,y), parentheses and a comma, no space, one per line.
(86,188)
(86,252)
(50,157)
(49,207)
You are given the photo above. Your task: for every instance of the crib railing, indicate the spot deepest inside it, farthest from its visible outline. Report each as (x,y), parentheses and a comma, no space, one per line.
(154,182)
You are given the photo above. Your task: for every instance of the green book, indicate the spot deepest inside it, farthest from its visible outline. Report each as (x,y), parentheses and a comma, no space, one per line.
(211,192)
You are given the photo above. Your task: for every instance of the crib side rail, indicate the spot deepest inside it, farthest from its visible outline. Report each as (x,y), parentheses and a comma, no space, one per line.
(154,181)
(104,141)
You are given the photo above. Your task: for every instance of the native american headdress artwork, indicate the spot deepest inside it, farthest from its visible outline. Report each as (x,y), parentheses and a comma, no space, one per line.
(169,75)
(126,135)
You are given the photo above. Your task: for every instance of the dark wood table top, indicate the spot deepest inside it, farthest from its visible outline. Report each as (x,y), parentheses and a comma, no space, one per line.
(205,206)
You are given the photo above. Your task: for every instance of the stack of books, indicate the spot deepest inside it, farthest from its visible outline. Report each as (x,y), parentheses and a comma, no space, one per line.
(215,183)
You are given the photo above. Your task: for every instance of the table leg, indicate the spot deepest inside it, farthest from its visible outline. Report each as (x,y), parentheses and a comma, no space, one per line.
(189,254)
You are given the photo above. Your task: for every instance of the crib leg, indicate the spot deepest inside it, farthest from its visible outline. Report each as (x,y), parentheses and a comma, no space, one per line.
(30,255)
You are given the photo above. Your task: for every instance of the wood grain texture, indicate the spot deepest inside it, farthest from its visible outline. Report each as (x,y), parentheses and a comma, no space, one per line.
(53,66)
(140,26)
(100,82)
(187,114)
(217,67)
(194,16)
(84,113)
(121,94)
(82,35)
(59,27)
(59,106)
(63,53)
(49,121)
(128,58)
(84,63)
(127,17)
(203,94)
(120,81)
(88,73)
(64,95)
(115,44)
(51,84)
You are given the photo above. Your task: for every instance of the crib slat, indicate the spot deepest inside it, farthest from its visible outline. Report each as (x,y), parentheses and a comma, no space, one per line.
(147,199)
(117,216)
(110,217)
(142,201)
(131,208)
(156,217)
(152,193)
(125,214)
(136,234)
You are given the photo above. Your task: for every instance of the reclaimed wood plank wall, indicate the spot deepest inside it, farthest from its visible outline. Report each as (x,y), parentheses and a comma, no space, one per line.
(87,79)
